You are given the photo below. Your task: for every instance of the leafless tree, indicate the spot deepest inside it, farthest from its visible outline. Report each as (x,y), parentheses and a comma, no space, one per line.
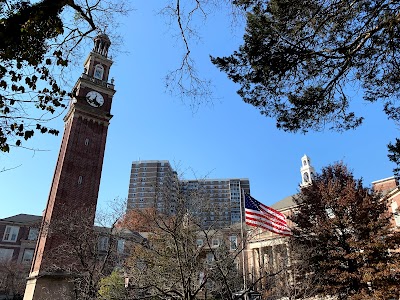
(185,81)
(86,253)
(39,39)
(12,279)
(292,277)
(180,258)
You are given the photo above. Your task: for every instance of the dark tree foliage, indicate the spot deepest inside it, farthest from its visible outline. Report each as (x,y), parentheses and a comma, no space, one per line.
(299,57)
(394,155)
(36,40)
(24,31)
(348,229)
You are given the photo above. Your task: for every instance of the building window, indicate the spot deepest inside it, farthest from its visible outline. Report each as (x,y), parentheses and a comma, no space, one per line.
(6,254)
(210,257)
(330,213)
(103,243)
(80,180)
(33,234)
(11,233)
(27,257)
(199,242)
(233,242)
(86,142)
(120,246)
(306,177)
(98,72)
(215,242)
(235,216)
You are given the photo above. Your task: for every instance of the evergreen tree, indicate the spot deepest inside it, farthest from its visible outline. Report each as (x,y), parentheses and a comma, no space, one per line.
(298,57)
(347,228)
(301,61)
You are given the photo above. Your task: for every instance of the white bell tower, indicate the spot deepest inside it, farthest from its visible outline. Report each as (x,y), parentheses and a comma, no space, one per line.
(307,171)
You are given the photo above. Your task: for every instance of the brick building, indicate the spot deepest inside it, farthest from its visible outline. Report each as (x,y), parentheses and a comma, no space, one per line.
(18,235)
(389,187)
(18,238)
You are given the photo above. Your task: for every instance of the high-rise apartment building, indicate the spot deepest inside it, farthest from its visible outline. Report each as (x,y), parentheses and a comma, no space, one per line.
(220,199)
(154,184)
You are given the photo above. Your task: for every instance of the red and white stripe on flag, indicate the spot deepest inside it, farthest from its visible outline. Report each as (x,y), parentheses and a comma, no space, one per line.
(262,216)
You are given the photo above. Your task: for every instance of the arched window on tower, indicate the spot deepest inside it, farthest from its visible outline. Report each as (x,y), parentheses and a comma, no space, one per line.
(98,72)
(306,177)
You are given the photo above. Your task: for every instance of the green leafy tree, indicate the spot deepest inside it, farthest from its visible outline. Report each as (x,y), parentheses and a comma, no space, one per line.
(301,60)
(112,287)
(347,229)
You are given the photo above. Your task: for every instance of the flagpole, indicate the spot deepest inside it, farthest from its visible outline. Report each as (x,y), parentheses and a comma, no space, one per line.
(242,237)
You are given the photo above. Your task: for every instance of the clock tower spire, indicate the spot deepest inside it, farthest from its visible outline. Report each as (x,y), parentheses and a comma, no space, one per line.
(75,186)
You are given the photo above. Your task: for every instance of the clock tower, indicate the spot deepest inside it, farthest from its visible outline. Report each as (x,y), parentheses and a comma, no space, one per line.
(75,186)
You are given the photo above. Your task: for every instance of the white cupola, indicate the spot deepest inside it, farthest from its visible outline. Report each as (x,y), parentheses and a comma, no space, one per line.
(307,171)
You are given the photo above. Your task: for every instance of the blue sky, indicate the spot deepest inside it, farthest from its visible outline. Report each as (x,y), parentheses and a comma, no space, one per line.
(227,139)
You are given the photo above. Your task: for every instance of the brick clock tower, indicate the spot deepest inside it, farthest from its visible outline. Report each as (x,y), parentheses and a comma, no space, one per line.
(76,179)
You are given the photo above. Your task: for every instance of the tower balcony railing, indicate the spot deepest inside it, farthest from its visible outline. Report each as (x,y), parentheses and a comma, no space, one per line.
(98,81)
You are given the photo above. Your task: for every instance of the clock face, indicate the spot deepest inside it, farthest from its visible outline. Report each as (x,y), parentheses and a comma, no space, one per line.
(95,99)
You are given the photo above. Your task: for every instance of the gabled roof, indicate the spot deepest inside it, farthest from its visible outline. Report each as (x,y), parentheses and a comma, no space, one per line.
(22,219)
(284,203)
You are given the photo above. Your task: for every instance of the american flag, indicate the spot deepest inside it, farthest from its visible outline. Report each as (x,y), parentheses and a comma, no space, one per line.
(260,215)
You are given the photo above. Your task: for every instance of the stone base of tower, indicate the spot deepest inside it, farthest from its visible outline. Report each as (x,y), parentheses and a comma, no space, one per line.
(49,287)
